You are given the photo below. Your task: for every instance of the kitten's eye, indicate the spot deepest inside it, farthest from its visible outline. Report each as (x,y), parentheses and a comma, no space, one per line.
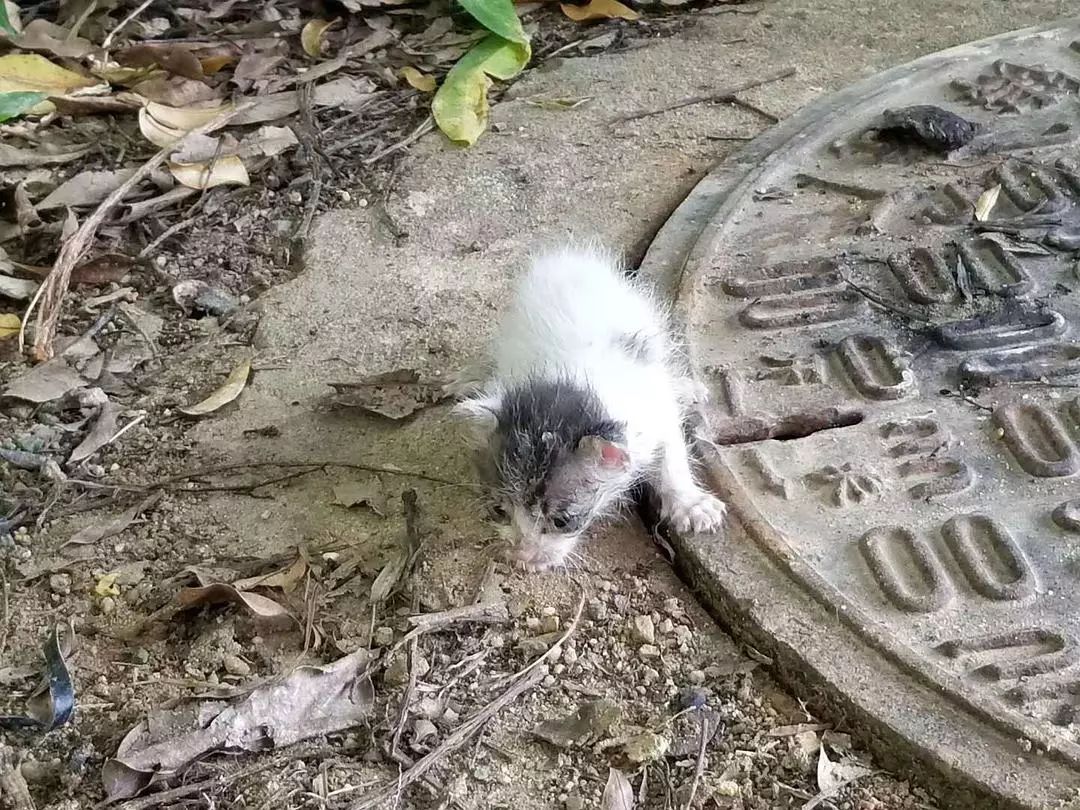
(561,521)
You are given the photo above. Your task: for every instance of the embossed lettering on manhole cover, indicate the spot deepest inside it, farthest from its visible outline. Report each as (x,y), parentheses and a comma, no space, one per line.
(896,410)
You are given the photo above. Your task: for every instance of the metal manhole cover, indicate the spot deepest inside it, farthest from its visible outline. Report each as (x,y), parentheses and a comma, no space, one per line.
(896,411)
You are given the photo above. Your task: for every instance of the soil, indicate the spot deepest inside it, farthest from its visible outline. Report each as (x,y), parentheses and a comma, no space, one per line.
(406,269)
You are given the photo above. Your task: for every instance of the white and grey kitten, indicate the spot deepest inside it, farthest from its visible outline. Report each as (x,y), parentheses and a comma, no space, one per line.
(581,400)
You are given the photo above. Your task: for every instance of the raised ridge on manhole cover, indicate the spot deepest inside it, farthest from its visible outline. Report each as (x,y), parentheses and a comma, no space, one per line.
(895,417)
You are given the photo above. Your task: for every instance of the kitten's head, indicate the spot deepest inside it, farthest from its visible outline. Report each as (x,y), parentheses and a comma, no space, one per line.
(555,461)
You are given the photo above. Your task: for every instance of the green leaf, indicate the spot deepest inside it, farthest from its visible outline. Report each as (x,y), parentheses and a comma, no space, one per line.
(13,104)
(5,21)
(498,17)
(460,106)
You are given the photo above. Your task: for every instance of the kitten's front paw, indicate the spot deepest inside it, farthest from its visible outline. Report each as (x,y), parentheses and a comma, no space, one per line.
(694,511)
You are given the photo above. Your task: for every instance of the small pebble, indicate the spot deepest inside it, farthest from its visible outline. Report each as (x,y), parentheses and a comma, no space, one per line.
(697,677)
(648,651)
(575,802)
(384,636)
(235,665)
(532,623)
(60,584)
(665,626)
(108,605)
(596,610)
(549,624)
(549,680)
(295,197)
(644,630)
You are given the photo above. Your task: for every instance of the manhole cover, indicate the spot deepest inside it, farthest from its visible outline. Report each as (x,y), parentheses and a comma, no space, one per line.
(896,411)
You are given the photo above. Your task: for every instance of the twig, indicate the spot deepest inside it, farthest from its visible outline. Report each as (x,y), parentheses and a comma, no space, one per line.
(316,465)
(309,141)
(406,699)
(481,613)
(52,291)
(12,784)
(172,230)
(700,767)
(5,618)
(425,127)
(105,43)
(876,299)
(726,95)
(218,781)
(461,735)
(570,628)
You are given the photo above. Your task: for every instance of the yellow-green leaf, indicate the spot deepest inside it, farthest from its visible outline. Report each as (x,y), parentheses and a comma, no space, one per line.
(311,37)
(9,326)
(227,170)
(32,73)
(423,82)
(6,24)
(598,10)
(229,391)
(460,106)
(499,17)
(14,104)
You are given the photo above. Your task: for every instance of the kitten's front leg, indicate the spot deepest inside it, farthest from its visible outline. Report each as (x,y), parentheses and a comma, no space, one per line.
(469,380)
(684,504)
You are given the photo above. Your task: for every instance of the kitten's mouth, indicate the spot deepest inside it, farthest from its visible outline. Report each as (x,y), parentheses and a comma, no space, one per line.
(543,555)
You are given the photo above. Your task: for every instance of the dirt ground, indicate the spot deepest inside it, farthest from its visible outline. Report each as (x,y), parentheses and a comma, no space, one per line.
(407,270)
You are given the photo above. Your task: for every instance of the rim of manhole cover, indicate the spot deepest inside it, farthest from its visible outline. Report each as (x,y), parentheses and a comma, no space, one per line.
(891,420)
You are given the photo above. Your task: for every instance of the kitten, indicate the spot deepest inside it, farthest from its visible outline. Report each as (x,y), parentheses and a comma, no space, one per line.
(582,400)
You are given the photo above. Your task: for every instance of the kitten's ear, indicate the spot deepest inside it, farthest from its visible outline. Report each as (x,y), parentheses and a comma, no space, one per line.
(480,414)
(603,453)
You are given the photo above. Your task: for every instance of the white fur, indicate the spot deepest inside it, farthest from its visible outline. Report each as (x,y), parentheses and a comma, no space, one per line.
(569,316)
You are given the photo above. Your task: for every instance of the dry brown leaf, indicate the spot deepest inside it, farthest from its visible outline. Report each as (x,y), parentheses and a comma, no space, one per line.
(588,725)
(175,91)
(421,81)
(17,289)
(267,141)
(213,64)
(31,72)
(598,10)
(9,326)
(91,534)
(163,125)
(311,37)
(103,269)
(225,171)
(344,91)
(254,65)
(287,578)
(45,382)
(264,610)
(618,794)
(363,493)
(831,776)
(41,35)
(390,576)
(42,154)
(100,434)
(393,394)
(85,189)
(308,702)
(234,384)
(178,59)
(986,202)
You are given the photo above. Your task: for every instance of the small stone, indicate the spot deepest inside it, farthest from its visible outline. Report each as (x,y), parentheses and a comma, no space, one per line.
(683,634)
(644,630)
(549,680)
(672,606)
(650,675)
(140,655)
(108,605)
(384,636)
(235,665)
(33,770)
(421,665)
(397,673)
(549,624)
(532,623)
(728,788)
(295,197)
(665,626)
(548,610)
(422,729)
(596,610)
(60,584)
(697,677)
(648,651)
(575,802)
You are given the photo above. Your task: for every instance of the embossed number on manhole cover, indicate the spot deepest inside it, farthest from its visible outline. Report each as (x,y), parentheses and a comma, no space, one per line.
(891,340)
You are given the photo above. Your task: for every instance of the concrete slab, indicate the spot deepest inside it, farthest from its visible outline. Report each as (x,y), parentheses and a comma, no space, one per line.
(886,419)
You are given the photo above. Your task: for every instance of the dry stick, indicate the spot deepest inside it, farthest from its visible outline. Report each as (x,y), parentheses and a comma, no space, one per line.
(219,781)
(124,23)
(13,786)
(558,644)
(426,126)
(52,291)
(461,735)
(700,767)
(309,140)
(5,618)
(727,94)
(406,699)
(373,468)
(172,230)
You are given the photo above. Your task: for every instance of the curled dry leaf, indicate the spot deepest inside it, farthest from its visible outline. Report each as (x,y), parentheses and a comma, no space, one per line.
(85,189)
(986,202)
(589,724)
(99,436)
(618,794)
(423,82)
(264,610)
(393,394)
(234,384)
(308,702)
(42,154)
(9,326)
(228,170)
(91,534)
(175,91)
(312,35)
(103,269)
(598,10)
(831,776)
(163,125)
(287,578)
(41,35)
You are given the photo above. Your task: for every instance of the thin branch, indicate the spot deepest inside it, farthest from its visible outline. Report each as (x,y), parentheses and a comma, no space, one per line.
(728,94)
(130,18)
